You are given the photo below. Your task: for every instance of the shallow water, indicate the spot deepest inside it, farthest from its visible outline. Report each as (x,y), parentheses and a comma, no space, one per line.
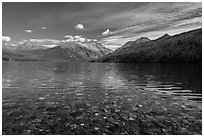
(101,98)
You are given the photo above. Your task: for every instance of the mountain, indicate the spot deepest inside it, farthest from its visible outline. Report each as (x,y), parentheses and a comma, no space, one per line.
(136,42)
(184,47)
(132,43)
(36,50)
(165,36)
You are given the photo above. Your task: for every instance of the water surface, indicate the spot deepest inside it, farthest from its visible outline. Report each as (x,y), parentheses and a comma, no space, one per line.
(101,98)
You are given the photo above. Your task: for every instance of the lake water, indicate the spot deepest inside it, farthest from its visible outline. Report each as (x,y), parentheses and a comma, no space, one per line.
(101,98)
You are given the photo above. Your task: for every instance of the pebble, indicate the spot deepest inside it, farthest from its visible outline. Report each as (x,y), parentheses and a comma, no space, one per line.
(67,107)
(81,109)
(131,118)
(117,110)
(22,124)
(88,104)
(41,98)
(96,128)
(79,94)
(79,117)
(129,99)
(183,130)
(82,124)
(40,130)
(135,109)
(105,110)
(73,126)
(140,106)
(107,126)
(28,131)
(182,106)
(165,109)
(67,124)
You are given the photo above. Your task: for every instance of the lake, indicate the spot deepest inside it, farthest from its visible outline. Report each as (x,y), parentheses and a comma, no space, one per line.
(101,98)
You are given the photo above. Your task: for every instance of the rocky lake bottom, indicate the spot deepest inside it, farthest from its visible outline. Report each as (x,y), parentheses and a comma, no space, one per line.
(113,109)
(89,112)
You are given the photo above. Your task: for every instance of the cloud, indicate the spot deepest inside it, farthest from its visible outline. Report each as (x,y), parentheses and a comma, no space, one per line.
(122,15)
(128,18)
(77,37)
(79,26)
(6,38)
(69,37)
(43,28)
(81,39)
(114,42)
(160,18)
(46,40)
(28,31)
(107,32)
(50,43)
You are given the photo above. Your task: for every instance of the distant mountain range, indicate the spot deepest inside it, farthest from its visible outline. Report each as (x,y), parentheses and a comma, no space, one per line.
(36,50)
(184,47)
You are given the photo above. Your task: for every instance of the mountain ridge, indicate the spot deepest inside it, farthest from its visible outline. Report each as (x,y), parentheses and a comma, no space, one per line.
(183,47)
(39,51)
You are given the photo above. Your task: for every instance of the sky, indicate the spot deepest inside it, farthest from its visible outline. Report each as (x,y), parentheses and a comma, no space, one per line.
(112,24)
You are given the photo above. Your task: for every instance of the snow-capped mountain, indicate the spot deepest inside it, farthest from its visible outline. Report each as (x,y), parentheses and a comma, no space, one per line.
(44,49)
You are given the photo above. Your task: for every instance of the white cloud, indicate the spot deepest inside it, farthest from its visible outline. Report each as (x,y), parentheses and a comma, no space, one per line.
(46,40)
(6,38)
(69,36)
(107,32)
(68,40)
(77,37)
(81,39)
(79,26)
(43,28)
(28,31)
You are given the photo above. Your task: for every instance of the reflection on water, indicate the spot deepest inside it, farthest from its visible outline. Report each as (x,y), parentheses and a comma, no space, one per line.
(188,76)
(181,78)
(32,82)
